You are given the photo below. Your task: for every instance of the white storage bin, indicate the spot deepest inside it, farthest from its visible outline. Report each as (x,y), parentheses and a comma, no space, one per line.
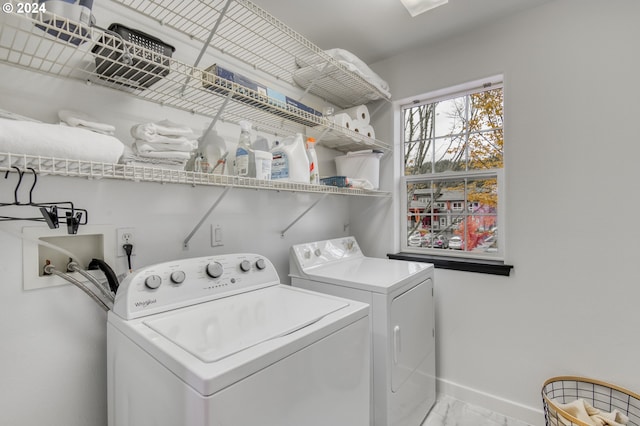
(360,165)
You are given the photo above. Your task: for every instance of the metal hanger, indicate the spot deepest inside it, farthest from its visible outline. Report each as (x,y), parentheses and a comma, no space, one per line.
(50,211)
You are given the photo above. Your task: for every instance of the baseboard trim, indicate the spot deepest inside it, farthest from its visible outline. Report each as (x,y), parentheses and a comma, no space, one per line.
(530,415)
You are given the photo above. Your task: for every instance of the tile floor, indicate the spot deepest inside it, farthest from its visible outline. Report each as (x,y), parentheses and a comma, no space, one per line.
(451,412)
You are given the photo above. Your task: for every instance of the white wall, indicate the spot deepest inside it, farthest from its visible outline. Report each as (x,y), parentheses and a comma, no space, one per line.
(52,361)
(570,305)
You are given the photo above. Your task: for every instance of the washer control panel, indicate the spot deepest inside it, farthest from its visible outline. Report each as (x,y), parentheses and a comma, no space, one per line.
(322,252)
(171,285)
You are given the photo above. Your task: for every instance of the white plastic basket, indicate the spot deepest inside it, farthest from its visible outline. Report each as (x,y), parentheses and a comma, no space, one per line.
(360,165)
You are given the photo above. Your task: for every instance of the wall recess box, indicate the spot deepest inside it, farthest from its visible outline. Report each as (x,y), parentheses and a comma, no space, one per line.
(91,241)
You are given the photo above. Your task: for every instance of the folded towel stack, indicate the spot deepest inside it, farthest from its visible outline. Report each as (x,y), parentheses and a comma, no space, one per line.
(84,121)
(54,140)
(586,413)
(161,144)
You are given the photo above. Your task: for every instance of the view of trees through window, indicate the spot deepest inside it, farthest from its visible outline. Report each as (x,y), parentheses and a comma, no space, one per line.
(453,150)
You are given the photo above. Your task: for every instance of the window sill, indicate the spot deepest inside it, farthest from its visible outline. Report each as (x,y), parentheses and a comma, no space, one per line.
(493,267)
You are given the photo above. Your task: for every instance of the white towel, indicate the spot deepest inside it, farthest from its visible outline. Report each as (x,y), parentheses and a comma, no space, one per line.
(348,60)
(85,121)
(355,64)
(130,156)
(156,164)
(166,155)
(163,131)
(585,412)
(54,140)
(186,146)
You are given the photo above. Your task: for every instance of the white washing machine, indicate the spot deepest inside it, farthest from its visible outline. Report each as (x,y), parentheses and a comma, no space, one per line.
(218,341)
(402,321)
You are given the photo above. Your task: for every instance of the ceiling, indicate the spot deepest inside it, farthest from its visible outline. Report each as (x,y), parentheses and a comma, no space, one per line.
(378,32)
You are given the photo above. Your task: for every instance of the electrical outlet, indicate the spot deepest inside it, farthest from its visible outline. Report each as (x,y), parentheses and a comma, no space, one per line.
(125,236)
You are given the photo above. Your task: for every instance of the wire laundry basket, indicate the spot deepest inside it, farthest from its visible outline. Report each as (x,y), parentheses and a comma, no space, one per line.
(601,395)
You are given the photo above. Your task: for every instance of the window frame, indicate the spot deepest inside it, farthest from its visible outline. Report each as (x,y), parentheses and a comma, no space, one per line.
(490,83)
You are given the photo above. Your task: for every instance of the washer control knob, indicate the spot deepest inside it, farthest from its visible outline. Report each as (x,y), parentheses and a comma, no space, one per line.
(260,264)
(153,281)
(177,277)
(245,266)
(214,270)
(307,254)
(318,252)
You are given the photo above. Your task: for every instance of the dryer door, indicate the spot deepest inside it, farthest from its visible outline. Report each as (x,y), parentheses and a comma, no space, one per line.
(412,323)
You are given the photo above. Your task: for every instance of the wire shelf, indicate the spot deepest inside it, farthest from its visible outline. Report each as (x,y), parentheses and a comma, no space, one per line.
(255,37)
(26,41)
(97,170)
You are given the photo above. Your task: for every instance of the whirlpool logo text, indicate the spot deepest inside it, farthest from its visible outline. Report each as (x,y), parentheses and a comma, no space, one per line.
(145,303)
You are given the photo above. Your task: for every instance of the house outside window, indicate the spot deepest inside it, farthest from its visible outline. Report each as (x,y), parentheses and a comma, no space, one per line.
(453,157)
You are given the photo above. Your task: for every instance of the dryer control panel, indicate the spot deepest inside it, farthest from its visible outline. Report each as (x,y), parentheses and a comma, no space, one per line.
(171,285)
(323,252)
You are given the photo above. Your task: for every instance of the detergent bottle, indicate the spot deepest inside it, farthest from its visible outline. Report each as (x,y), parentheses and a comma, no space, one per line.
(314,174)
(290,162)
(243,151)
(214,149)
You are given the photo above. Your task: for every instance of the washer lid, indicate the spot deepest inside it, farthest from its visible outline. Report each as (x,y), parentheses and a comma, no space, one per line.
(218,329)
(369,273)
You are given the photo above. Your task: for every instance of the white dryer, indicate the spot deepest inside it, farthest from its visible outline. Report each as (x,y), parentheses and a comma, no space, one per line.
(400,294)
(218,341)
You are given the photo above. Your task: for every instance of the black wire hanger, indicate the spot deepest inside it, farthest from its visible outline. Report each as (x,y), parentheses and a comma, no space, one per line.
(49,211)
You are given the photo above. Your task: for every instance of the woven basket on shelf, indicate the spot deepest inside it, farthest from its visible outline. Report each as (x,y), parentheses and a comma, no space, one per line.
(603,396)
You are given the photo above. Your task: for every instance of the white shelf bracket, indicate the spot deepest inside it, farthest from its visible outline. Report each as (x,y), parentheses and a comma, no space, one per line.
(206,43)
(376,109)
(313,82)
(302,214)
(322,135)
(372,206)
(185,244)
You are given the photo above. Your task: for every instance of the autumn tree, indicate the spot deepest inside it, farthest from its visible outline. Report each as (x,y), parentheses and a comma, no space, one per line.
(472,141)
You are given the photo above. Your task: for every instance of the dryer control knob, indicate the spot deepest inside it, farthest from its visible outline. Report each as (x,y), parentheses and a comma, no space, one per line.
(245,266)
(153,281)
(260,264)
(214,270)
(178,277)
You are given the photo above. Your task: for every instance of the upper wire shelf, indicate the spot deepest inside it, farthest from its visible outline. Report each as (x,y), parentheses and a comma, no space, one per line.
(25,41)
(255,37)
(97,170)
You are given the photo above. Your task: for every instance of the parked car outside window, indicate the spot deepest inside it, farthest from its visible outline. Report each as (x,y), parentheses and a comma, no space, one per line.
(440,242)
(455,243)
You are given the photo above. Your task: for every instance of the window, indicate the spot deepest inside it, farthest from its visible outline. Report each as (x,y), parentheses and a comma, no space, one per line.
(452,173)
